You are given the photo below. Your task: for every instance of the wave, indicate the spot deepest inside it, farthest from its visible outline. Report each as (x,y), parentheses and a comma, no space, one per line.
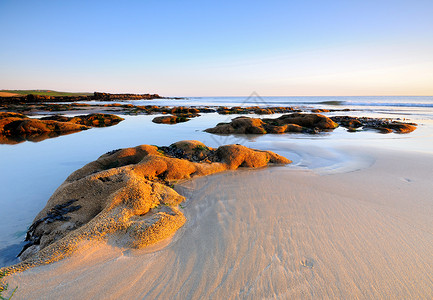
(332,102)
(393,104)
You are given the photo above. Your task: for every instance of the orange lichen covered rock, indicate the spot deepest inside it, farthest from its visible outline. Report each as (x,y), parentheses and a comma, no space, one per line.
(320,110)
(170,119)
(309,121)
(235,156)
(93,120)
(295,122)
(16,128)
(124,196)
(383,125)
(399,127)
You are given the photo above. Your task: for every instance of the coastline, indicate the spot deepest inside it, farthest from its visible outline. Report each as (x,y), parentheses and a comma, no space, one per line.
(251,200)
(299,235)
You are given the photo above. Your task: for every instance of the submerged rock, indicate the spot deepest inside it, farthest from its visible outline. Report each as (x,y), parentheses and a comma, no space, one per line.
(124,196)
(295,122)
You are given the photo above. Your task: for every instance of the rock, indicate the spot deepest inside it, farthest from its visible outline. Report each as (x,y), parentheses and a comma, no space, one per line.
(27,126)
(123,196)
(400,127)
(295,122)
(309,120)
(382,125)
(169,119)
(4,115)
(185,111)
(93,120)
(347,122)
(16,128)
(235,156)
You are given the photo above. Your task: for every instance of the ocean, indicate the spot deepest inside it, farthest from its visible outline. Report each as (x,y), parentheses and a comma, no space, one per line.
(31,172)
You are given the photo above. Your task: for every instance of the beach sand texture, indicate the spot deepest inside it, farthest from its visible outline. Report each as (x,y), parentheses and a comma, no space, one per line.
(272,233)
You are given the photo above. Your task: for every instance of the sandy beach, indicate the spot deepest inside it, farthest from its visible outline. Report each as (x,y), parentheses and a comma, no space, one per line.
(277,232)
(216,150)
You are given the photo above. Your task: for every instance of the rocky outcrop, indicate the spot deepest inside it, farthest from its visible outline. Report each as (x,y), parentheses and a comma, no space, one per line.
(295,122)
(32,98)
(382,125)
(16,128)
(124,196)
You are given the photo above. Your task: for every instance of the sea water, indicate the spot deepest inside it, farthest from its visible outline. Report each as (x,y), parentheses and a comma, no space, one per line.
(30,172)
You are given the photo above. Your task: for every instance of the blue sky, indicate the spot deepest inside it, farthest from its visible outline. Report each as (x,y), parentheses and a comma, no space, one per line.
(205,48)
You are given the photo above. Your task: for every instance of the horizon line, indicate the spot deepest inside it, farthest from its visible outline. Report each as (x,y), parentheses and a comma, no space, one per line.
(250,95)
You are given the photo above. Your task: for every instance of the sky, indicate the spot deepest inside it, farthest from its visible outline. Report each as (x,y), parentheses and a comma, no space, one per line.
(219,48)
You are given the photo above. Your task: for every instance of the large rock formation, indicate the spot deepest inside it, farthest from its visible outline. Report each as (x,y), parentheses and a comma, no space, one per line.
(295,122)
(309,123)
(124,196)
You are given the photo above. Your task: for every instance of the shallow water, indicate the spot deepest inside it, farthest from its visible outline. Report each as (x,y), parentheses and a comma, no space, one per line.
(274,233)
(30,172)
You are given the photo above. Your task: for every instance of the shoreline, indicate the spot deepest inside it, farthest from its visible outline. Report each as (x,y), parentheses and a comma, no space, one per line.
(336,155)
(309,250)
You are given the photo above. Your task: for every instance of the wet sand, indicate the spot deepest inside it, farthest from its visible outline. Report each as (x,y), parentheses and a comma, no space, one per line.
(277,232)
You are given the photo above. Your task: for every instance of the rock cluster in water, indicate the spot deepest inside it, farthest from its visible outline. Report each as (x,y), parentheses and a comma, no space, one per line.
(125,196)
(178,114)
(33,98)
(16,128)
(308,123)
(296,122)
(383,125)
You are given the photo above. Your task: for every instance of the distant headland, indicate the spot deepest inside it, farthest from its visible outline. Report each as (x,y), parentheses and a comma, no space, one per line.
(31,96)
